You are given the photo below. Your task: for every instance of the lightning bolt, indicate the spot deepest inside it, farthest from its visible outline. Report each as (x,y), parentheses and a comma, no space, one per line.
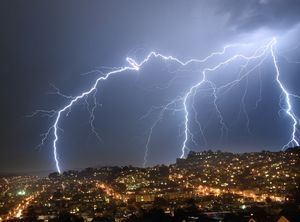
(289,108)
(163,110)
(187,133)
(184,100)
(91,111)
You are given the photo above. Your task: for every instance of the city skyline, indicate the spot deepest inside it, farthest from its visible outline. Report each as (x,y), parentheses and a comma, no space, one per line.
(207,185)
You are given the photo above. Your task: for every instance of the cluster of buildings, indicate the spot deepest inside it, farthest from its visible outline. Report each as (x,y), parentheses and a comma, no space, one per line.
(209,181)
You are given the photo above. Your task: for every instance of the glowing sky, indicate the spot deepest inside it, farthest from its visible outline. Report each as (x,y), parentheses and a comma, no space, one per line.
(62,43)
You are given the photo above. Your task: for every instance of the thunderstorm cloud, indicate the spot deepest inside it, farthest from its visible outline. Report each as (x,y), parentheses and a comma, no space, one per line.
(70,43)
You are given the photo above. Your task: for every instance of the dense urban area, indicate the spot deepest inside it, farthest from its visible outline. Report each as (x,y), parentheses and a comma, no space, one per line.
(205,186)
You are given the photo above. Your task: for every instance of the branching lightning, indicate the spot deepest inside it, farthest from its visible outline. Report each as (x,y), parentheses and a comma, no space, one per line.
(183,103)
(288,109)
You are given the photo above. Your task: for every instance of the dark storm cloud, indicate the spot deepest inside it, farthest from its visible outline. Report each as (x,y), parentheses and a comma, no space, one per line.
(44,42)
(255,14)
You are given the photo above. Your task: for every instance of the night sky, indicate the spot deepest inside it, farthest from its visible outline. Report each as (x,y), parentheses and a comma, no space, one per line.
(66,43)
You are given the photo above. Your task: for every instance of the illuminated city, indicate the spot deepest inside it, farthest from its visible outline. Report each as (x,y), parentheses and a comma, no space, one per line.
(150,111)
(215,181)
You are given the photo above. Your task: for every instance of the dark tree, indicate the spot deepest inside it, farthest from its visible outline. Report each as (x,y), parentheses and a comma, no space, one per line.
(102,219)
(54,175)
